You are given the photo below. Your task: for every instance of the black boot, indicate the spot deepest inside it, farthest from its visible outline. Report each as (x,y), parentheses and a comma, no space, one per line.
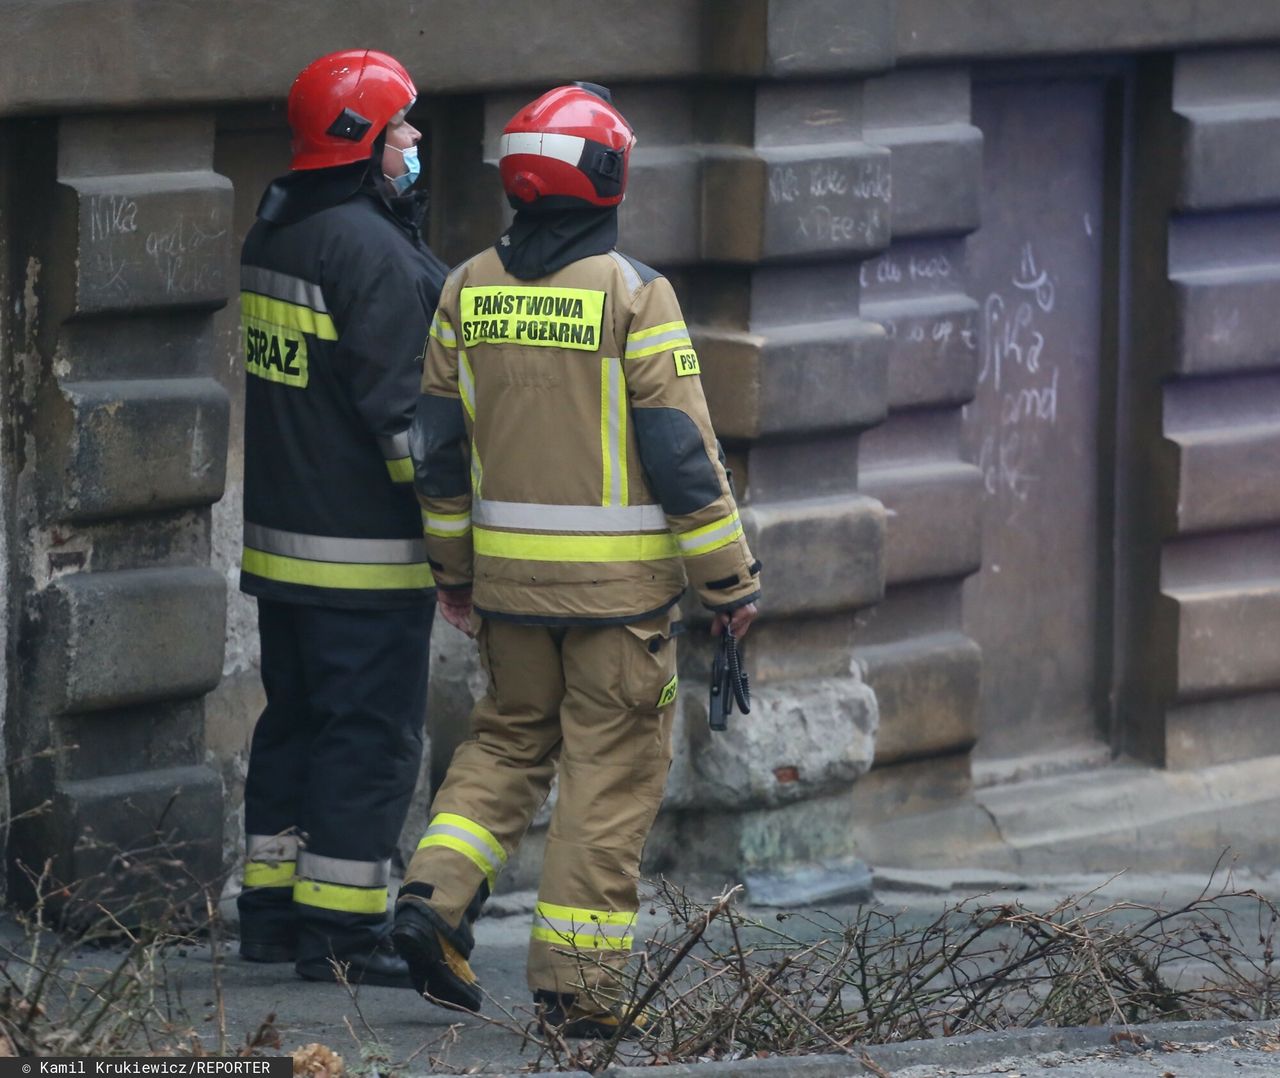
(378,965)
(435,953)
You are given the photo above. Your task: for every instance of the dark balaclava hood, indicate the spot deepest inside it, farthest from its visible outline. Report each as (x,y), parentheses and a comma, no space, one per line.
(553,233)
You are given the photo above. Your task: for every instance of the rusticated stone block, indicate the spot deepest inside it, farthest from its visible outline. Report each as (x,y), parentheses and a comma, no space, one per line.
(826,376)
(150,240)
(937,172)
(1230,155)
(980,28)
(933,349)
(119,638)
(1222,731)
(173,813)
(820,554)
(658,222)
(798,37)
(802,739)
(1226,320)
(803,202)
(927,689)
(135,446)
(1227,477)
(1226,637)
(934,526)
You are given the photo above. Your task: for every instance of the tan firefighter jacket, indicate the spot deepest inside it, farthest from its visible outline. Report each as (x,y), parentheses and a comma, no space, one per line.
(563,453)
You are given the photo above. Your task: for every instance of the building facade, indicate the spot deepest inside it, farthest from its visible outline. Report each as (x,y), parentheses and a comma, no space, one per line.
(985,296)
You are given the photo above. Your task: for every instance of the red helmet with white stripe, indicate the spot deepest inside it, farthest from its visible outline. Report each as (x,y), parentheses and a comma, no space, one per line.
(571,143)
(341,102)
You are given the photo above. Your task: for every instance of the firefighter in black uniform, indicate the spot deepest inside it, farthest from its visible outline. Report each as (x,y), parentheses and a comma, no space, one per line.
(337,294)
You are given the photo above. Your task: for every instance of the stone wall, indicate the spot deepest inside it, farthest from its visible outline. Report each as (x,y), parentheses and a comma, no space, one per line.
(812,175)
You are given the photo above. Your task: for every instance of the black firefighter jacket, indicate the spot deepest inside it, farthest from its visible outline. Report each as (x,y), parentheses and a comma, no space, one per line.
(336,302)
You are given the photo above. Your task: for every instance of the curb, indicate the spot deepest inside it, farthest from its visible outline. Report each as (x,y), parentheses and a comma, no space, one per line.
(971,1051)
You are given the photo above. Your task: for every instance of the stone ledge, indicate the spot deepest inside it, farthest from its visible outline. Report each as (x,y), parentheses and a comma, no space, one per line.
(135,446)
(933,529)
(1225,320)
(927,689)
(937,176)
(112,639)
(1226,637)
(1229,155)
(933,348)
(799,541)
(1227,477)
(823,201)
(148,241)
(809,378)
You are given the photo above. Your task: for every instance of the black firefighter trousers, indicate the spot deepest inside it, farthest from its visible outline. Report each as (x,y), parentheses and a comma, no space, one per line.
(332,767)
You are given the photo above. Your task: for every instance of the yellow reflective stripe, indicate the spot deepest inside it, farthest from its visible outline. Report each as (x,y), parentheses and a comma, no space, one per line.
(711,536)
(401,470)
(613,432)
(467,385)
(453,832)
(442,331)
(601,929)
(584,917)
(475,830)
(462,846)
(653,331)
(446,525)
(340,897)
(477,471)
(327,574)
(647,342)
(606,444)
(581,940)
(681,341)
(293,316)
(269,873)
(570,548)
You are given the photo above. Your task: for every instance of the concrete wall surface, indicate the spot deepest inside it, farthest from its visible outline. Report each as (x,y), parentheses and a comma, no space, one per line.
(983,295)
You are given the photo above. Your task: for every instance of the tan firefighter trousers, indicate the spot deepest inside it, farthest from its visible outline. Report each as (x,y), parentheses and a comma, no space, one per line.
(597,701)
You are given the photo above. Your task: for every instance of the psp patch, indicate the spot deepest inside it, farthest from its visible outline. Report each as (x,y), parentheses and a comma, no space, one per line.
(668,696)
(686,362)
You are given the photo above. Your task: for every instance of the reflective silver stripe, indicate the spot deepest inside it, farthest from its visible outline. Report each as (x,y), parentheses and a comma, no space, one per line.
(445,525)
(313,866)
(332,549)
(647,344)
(463,835)
(282,286)
(271,847)
(396,447)
(443,332)
(586,928)
(615,426)
(566,148)
(629,273)
(607,520)
(700,537)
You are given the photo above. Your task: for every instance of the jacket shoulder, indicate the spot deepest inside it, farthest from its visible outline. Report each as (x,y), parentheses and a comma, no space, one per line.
(634,272)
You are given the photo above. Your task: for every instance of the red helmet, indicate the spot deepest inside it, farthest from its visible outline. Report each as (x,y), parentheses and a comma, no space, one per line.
(572,143)
(340,103)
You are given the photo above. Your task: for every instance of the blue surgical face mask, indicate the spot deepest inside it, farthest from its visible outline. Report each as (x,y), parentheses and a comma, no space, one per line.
(413,169)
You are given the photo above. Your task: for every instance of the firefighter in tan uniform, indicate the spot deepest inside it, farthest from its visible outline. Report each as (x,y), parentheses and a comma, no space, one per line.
(572,488)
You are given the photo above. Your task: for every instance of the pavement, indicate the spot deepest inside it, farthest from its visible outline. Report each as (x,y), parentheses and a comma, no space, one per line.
(227,1001)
